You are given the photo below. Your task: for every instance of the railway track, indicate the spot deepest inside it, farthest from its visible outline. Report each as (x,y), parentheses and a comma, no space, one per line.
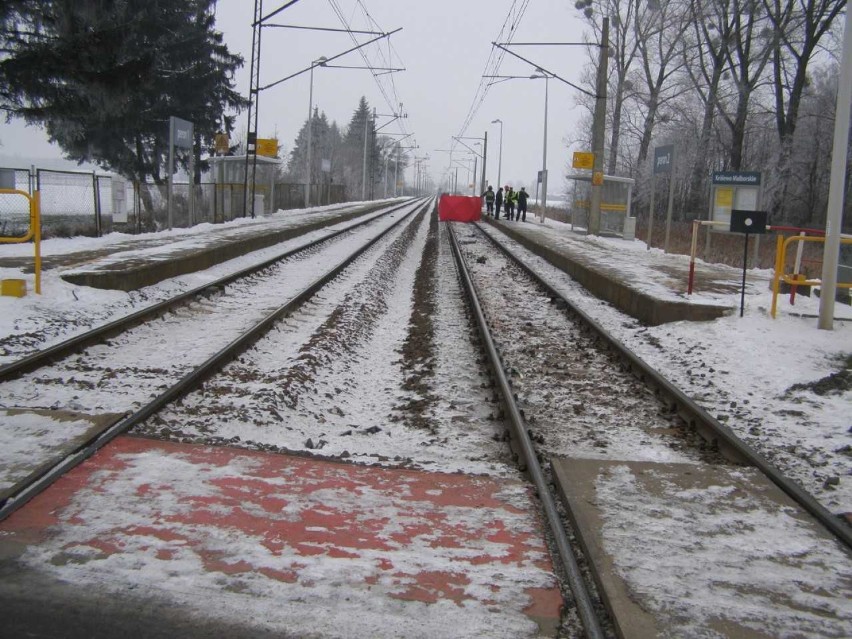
(571,390)
(354,374)
(128,370)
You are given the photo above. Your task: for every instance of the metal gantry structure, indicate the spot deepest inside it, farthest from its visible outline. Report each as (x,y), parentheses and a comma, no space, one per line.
(259,22)
(484,141)
(251,132)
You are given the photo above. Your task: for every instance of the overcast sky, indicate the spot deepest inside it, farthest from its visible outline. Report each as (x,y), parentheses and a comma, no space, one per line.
(444,46)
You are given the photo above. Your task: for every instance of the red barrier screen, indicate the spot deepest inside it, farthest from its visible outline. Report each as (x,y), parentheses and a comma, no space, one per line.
(459,208)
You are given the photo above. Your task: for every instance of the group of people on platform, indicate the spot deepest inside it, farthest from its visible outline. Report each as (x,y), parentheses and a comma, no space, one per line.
(507,200)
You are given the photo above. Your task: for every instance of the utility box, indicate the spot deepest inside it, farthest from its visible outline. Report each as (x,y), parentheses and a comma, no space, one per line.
(629,228)
(13,288)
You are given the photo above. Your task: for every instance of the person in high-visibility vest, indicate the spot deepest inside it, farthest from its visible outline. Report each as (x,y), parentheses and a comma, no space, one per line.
(511,198)
(489,201)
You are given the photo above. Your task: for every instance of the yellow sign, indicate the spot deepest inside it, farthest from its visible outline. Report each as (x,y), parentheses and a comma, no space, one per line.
(584,160)
(597,178)
(223,143)
(724,197)
(267,147)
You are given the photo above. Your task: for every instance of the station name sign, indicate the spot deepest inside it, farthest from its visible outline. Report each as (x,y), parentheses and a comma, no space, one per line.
(737,178)
(663,159)
(181,133)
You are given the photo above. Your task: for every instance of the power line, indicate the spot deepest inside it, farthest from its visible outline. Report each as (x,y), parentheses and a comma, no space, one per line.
(393,105)
(495,59)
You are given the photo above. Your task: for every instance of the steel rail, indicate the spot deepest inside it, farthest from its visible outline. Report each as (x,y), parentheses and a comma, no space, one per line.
(83,340)
(582,599)
(729,444)
(189,381)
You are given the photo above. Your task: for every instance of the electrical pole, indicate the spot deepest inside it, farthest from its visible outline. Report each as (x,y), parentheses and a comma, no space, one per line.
(834,216)
(499,154)
(364,169)
(396,173)
(598,134)
(484,162)
(543,201)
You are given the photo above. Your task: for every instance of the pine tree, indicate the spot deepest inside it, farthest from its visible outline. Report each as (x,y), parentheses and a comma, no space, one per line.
(104,76)
(353,152)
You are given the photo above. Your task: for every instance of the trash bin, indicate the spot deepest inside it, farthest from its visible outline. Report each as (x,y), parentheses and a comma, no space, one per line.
(629,228)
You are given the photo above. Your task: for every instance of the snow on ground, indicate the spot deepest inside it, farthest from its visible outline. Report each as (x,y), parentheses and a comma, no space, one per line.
(742,369)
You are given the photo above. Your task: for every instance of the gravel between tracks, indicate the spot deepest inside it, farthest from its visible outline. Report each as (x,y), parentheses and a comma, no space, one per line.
(380,368)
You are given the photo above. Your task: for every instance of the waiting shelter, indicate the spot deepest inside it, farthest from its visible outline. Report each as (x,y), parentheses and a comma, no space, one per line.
(616,204)
(229,177)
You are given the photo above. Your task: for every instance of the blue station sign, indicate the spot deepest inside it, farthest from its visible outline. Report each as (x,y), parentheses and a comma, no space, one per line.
(737,178)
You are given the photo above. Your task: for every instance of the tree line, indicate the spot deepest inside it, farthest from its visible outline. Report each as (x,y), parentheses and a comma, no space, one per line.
(103,79)
(735,85)
(348,156)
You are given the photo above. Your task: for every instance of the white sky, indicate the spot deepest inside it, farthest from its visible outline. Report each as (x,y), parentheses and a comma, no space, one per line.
(444,47)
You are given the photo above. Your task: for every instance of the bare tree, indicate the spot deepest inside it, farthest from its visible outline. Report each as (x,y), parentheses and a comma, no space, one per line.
(658,27)
(747,55)
(704,54)
(797,27)
(622,55)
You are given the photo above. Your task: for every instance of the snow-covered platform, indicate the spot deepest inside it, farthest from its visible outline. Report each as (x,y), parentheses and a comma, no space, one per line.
(159,539)
(690,550)
(650,286)
(213,245)
(130,262)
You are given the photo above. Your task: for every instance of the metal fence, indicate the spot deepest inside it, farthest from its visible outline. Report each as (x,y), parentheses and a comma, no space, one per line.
(15,211)
(80,203)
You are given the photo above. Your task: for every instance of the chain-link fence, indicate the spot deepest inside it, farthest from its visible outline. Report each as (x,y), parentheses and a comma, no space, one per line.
(72,203)
(79,203)
(14,209)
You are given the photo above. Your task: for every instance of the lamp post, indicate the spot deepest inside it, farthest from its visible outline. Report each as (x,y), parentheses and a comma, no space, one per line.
(598,134)
(399,148)
(318,62)
(254,89)
(323,62)
(500,155)
(475,158)
(539,73)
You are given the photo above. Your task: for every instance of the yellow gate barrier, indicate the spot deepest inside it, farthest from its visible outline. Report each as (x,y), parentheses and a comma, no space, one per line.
(795,279)
(34,232)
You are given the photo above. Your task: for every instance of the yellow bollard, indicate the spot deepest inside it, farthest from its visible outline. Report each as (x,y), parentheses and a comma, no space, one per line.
(13,287)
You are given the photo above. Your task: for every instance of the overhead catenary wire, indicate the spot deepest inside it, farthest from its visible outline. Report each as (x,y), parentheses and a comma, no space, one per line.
(495,58)
(392,103)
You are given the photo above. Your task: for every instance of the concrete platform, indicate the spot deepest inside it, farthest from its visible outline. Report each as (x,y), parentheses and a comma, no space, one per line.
(606,270)
(137,271)
(34,440)
(688,550)
(150,539)
(136,262)
(603,270)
